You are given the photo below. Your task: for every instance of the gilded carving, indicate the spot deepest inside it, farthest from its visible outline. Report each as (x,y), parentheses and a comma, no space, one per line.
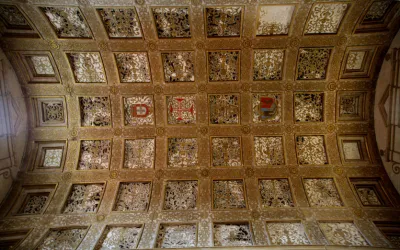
(84,198)
(180,195)
(87,67)
(178,66)
(172,22)
(268,64)
(223,21)
(274,19)
(139,153)
(232,235)
(176,236)
(133,196)
(181,109)
(224,109)
(223,65)
(228,194)
(313,63)
(287,233)
(133,67)
(275,193)
(309,107)
(322,193)
(325,18)
(311,150)
(95,154)
(139,110)
(343,233)
(121,23)
(182,152)
(226,152)
(67,21)
(268,150)
(95,111)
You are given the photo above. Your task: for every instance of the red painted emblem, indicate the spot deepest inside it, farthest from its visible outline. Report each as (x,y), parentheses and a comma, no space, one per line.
(140,110)
(267,107)
(179,109)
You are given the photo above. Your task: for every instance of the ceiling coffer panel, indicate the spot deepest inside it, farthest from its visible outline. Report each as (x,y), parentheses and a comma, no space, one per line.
(172,124)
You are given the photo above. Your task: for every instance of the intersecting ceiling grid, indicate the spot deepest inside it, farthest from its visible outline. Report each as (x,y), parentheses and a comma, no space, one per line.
(199,123)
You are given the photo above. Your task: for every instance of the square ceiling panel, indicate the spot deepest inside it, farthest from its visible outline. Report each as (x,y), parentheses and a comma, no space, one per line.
(172,22)
(87,67)
(313,63)
(120,22)
(95,111)
(139,110)
(268,64)
(325,18)
(14,23)
(274,19)
(223,65)
(178,66)
(223,21)
(133,67)
(67,22)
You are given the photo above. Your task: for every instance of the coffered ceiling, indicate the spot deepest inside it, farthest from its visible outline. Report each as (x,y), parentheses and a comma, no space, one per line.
(217,123)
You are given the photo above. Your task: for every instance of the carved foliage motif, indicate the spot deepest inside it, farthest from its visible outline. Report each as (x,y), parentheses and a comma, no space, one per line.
(120,237)
(351,105)
(178,66)
(13,18)
(139,110)
(67,21)
(133,67)
(377,11)
(181,109)
(223,66)
(287,233)
(309,107)
(95,154)
(172,22)
(34,203)
(232,235)
(182,152)
(274,19)
(121,23)
(226,152)
(68,239)
(275,193)
(228,194)
(343,233)
(224,109)
(95,111)
(368,196)
(180,195)
(312,63)
(268,64)
(268,150)
(42,65)
(176,236)
(133,196)
(325,18)
(322,193)
(53,111)
(52,157)
(223,21)
(139,153)
(87,67)
(355,60)
(311,150)
(267,107)
(84,198)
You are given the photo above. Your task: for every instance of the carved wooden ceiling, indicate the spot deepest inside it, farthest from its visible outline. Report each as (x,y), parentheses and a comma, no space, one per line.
(201,123)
